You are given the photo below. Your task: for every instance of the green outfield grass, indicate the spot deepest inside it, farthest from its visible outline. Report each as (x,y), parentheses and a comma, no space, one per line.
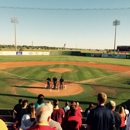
(115,84)
(66,58)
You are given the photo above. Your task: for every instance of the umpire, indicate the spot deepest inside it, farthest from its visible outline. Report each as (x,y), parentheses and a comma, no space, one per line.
(61,83)
(55,82)
(48,82)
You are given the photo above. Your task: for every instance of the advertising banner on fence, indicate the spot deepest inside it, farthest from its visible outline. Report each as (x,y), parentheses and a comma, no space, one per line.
(46,53)
(96,55)
(23,53)
(1,52)
(9,53)
(19,53)
(37,53)
(114,56)
(108,55)
(27,53)
(31,53)
(120,56)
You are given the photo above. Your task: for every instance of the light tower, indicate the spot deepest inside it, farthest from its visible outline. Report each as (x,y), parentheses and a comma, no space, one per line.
(14,20)
(115,23)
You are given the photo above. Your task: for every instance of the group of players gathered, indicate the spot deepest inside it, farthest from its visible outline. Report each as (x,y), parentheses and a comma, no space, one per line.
(55,83)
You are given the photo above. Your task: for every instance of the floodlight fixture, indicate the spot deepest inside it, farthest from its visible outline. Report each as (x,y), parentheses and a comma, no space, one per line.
(115,23)
(15,21)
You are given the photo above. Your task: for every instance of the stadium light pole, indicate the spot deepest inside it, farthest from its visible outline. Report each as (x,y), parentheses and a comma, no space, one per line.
(14,20)
(32,45)
(115,23)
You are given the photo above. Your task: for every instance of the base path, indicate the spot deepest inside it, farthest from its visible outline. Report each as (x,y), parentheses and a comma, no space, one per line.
(71,89)
(118,68)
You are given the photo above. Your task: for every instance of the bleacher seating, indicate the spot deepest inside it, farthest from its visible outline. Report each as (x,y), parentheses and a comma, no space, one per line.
(7,116)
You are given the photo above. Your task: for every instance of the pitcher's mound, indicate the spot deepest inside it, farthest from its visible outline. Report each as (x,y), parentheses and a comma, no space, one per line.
(60,70)
(70,89)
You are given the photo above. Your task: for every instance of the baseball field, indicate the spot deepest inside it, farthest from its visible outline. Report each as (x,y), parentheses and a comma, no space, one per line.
(25,77)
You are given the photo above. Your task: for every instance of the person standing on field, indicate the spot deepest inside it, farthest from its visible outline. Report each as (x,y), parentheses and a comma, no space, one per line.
(61,83)
(55,82)
(48,82)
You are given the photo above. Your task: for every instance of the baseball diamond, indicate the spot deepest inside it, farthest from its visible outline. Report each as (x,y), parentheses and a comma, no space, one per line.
(84,78)
(38,87)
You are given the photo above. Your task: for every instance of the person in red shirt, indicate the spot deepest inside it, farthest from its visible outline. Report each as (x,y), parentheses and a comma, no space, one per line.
(79,107)
(43,115)
(77,112)
(123,117)
(58,113)
(72,121)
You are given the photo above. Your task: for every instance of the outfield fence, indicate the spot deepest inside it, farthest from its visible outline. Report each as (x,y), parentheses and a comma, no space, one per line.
(71,53)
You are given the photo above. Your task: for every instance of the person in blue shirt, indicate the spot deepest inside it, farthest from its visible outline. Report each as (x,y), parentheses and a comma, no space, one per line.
(101,117)
(40,101)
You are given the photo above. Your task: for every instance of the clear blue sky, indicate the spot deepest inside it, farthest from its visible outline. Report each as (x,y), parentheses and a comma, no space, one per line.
(90,29)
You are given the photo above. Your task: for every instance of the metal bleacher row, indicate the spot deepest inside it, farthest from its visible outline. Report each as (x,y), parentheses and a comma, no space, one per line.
(7,116)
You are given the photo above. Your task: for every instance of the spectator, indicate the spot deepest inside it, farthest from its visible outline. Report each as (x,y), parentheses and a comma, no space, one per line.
(40,101)
(100,118)
(58,113)
(16,112)
(66,107)
(72,121)
(28,119)
(79,107)
(22,111)
(16,109)
(78,113)
(127,114)
(112,106)
(53,123)
(3,125)
(87,111)
(128,123)
(43,115)
(123,117)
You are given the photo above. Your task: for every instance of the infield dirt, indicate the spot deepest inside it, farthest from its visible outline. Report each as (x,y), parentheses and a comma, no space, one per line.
(71,88)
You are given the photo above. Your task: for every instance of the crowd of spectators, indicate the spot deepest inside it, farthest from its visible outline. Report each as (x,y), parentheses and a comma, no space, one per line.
(49,116)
